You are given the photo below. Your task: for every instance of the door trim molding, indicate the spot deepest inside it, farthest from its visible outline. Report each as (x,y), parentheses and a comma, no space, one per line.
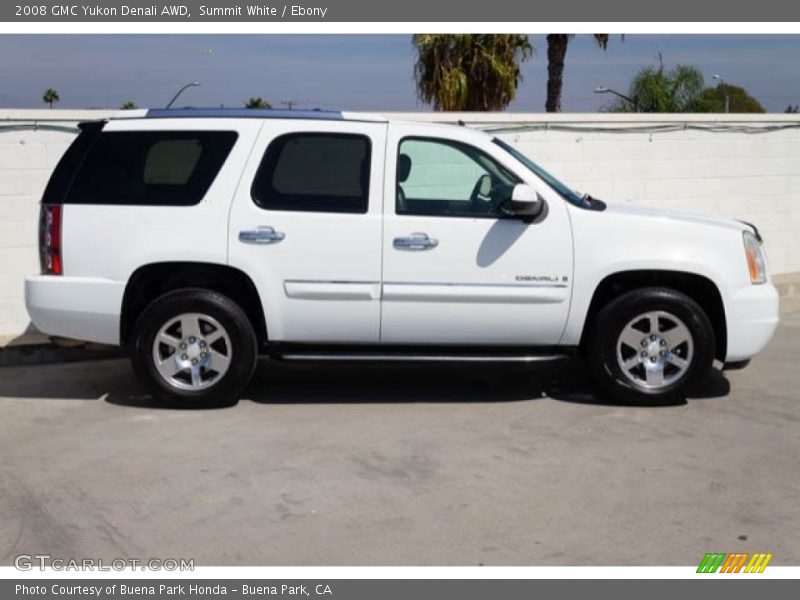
(500,293)
(310,289)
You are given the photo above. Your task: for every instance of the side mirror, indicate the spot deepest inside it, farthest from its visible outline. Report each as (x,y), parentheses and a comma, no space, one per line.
(525,203)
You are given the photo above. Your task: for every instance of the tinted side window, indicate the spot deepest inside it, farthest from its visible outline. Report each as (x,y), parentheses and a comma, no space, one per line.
(315,172)
(171,168)
(438,177)
(61,179)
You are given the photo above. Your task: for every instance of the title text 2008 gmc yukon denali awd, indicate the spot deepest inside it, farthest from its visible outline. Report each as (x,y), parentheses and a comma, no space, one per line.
(200,238)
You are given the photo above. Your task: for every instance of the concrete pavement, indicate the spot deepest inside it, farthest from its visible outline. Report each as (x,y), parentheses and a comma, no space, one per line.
(402,465)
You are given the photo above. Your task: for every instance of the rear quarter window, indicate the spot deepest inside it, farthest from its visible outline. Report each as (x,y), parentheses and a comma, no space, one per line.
(64,174)
(163,168)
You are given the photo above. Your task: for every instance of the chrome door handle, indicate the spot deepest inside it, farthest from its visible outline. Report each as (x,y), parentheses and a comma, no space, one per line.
(416,241)
(262,235)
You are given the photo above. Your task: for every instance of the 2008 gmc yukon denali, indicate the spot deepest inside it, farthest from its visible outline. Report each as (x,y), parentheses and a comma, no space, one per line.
(201,238)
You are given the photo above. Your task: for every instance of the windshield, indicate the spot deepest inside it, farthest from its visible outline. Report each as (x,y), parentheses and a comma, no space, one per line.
(565,192)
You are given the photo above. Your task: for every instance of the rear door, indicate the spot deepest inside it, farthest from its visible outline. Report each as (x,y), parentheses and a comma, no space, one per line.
(306,226)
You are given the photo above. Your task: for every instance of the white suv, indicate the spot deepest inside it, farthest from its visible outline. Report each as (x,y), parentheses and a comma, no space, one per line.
(200,238)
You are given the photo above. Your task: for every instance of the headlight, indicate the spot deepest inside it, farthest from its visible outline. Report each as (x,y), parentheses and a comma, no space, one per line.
(755,258)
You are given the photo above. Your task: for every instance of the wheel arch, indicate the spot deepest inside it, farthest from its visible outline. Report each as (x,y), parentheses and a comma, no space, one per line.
(699,288)
(150,281)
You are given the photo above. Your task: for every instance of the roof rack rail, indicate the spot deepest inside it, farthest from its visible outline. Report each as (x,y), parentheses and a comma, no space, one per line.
(243,113)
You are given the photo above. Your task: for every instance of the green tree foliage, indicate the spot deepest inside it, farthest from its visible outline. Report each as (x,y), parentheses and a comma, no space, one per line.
(128,105)
(557,44)
(682,90)
(469,71)
(50,97)
(658,90)
(713,100)
(257,102)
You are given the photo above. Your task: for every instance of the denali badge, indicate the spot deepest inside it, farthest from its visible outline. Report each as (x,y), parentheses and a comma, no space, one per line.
(540,278)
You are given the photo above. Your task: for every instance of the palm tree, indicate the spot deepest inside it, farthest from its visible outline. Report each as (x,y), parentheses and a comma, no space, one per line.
(469,71)
(257,102)
(50,96)
(128,105)
(656,90)
(557,44)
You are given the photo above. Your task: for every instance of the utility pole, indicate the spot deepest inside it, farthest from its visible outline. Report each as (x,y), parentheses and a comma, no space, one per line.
(724,89)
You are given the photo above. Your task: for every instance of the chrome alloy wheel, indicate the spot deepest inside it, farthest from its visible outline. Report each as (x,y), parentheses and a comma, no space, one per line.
(654,350)
(192,351)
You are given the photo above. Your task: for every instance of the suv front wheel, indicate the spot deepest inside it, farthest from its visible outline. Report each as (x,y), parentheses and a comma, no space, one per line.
(194,348)
(647,345)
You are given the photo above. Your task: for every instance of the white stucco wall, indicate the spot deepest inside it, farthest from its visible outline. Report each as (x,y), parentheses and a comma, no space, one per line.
(743,166)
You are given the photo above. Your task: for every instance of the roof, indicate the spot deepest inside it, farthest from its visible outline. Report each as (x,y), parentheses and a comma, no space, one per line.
(246,113)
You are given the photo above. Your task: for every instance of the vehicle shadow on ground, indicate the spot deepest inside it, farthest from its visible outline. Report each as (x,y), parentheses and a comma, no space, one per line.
(349,383)
(565,381)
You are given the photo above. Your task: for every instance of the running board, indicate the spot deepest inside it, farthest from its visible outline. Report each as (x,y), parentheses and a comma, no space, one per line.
(400,357)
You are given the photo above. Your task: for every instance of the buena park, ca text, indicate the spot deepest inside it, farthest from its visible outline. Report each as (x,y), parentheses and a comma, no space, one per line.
(277,11)
(121,589)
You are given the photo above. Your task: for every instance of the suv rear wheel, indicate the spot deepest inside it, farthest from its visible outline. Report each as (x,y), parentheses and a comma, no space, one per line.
(194,348)
(648,344)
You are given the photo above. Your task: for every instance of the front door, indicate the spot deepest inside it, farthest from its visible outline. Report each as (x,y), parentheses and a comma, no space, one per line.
(306,226)
(456,269)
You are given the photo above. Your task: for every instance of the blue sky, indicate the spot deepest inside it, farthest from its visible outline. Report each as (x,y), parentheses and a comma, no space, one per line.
(366,72)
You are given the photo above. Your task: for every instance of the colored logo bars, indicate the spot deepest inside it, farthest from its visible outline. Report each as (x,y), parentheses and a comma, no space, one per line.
(734,563)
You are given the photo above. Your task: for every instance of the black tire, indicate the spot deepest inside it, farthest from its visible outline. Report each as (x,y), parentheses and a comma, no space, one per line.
(608,325)
(222,390)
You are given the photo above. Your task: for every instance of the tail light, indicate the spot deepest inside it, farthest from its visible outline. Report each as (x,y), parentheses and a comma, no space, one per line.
(50,239)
